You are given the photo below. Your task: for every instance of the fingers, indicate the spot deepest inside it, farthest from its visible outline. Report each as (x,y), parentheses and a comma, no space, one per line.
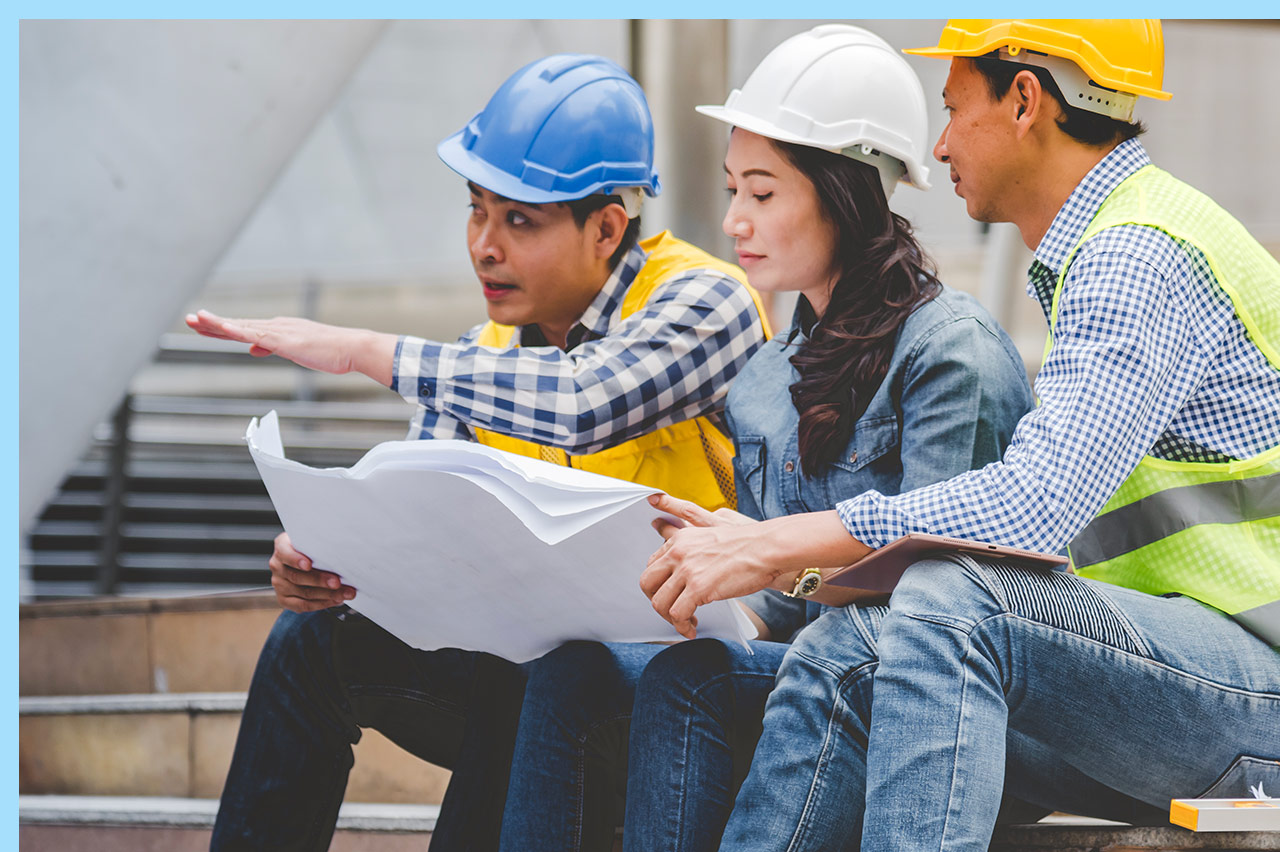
(212,325)
(302,597)
(686,604)
(683,509)
(655,575)
(298,585)
(663,597)
(203,324)
(666,529)
(663,586)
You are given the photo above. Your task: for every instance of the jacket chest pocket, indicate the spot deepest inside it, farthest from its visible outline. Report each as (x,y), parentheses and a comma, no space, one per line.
(870,461)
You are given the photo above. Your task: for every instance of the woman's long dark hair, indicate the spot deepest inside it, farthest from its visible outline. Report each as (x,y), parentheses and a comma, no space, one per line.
(884,275)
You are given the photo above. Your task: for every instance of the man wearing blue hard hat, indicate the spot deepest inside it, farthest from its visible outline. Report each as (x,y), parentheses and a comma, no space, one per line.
(602,351)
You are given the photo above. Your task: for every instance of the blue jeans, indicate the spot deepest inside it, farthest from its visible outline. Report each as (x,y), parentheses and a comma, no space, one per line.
(898,728)
(580,754)
(319,680)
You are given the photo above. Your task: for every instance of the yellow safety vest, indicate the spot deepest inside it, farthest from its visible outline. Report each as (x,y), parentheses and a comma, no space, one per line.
(1205,530)
(692,459)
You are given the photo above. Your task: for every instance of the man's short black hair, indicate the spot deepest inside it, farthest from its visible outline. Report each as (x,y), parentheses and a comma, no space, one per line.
(581,208)
(1091,128)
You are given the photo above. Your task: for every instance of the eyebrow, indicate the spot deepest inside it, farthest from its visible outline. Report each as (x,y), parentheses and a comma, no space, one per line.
(501,199)
(754,172)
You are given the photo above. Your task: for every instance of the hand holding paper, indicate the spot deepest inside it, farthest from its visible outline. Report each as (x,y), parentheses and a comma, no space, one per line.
(298,586)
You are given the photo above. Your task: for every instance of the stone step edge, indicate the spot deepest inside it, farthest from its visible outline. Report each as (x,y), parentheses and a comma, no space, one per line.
(177,812)
(1054,832)
(146,702)
(224,601)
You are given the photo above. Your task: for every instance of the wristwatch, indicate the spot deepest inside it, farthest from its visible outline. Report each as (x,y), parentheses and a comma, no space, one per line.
(809,581)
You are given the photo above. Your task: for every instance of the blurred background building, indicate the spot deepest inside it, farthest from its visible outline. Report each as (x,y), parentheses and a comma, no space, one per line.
(288,167)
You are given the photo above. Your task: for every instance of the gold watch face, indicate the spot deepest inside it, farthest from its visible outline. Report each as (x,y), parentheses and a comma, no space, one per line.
(809,584)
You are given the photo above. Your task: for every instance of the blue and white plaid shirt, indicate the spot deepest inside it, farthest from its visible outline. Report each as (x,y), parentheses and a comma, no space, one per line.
(1148,358)
(618,378)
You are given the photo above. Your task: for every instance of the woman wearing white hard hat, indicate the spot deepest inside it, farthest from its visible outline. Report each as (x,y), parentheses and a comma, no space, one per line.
(887,380)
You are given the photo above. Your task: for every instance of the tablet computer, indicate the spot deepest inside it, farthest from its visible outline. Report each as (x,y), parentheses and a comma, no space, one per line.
(879,570)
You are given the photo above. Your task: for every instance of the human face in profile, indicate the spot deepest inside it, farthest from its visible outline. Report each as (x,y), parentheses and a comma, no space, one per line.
(535,264)
(784,241)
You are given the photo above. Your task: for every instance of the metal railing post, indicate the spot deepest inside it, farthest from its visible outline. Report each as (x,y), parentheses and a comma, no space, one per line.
(113,499)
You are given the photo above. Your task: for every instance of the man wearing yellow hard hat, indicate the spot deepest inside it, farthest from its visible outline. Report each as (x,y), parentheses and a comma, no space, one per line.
(1152,670)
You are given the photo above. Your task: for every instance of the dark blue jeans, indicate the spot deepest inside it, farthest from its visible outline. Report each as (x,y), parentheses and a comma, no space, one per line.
(677,765)
(321,678)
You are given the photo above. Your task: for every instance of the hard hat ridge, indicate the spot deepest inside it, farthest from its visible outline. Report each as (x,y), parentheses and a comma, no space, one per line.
(842,89)
(561,128)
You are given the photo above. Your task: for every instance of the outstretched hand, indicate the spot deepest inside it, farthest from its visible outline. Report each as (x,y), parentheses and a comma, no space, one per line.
(327,348)
(709,556)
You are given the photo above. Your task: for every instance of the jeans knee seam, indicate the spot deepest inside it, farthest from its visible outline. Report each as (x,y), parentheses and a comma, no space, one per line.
(824,757)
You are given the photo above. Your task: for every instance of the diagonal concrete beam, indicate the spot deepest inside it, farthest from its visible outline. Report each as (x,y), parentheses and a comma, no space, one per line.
(144,146)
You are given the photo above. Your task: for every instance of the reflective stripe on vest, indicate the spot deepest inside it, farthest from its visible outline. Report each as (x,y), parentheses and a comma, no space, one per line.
(692,459)
(1208,531)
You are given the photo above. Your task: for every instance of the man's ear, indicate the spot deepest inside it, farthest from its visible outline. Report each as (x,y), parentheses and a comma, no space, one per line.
(612,226)
(1028,100)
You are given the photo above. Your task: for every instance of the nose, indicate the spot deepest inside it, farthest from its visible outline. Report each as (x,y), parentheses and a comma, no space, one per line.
(735,224)
(484,244)
(940,147)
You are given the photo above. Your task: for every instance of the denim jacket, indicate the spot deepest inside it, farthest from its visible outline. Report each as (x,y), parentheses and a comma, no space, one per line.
(955,389)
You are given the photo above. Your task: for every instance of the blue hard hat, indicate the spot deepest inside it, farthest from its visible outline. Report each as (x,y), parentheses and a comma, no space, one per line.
(561,128)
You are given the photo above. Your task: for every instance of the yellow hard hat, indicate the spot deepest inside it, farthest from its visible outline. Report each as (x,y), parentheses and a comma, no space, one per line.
(1126,55)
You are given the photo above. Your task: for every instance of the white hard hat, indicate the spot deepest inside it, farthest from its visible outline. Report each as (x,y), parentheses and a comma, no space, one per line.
(842,89)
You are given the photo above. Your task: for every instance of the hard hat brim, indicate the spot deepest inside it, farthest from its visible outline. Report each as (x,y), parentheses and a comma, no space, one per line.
(969,53)
(487,176)
(917,177)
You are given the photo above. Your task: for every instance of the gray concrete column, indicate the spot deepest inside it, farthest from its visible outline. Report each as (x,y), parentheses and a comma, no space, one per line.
(682,64)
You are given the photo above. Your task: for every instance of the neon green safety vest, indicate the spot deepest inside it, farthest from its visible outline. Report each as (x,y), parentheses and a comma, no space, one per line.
(1208,531)
(692,459)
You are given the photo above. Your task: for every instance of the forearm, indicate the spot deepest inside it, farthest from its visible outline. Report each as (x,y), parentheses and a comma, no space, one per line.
(373,353)
(794,543)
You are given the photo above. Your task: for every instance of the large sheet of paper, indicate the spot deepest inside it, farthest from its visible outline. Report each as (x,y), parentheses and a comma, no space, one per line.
(451,544)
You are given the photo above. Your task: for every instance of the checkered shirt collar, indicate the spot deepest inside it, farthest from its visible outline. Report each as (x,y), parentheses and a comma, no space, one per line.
(601,314)
(1074,217)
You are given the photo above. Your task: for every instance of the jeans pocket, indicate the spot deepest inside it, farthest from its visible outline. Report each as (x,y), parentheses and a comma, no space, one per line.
(1247,777)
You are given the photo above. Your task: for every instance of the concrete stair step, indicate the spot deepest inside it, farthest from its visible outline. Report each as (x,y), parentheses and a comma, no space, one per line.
(138,645)
(167,744)
(162,824)
(165,824)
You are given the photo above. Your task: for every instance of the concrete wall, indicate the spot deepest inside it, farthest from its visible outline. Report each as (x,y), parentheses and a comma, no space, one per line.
(367,197)
(144,146)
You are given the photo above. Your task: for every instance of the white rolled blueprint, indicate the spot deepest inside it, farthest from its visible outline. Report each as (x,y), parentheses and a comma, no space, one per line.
(451,544)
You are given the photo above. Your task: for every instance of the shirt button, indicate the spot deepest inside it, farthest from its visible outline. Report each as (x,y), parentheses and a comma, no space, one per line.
(853,458)
(788,467)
